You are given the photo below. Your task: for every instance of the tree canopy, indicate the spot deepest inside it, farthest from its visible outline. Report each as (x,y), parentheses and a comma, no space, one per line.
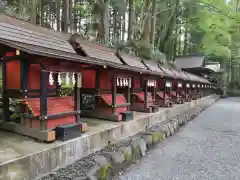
(153,29)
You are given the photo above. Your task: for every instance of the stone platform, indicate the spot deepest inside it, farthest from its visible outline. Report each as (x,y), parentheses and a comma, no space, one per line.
(23,158)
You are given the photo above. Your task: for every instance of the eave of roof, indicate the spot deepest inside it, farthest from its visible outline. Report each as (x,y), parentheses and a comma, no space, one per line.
(30,49)
(130,60)
(189,61)
(178,74)
(153,66)
(203,70)
(167,71)
(95,50)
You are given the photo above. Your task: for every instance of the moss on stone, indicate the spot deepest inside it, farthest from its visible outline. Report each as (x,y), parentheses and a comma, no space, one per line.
(135,153)
(127,157)
(104,171)
(157,137)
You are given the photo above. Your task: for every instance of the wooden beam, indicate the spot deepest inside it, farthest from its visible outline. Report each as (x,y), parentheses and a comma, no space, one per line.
(24,77)
(145,94)
(43,98)
(77,95)
(114,92)
(97,85)
(5,93)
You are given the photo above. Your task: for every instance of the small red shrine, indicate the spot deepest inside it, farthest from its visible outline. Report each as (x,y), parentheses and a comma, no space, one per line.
(34,61)
(144,84)
(106,90)
(178,86)
(161,95)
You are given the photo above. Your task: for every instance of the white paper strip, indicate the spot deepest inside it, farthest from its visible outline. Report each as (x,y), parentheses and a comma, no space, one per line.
(118,83)
(67,79)
(121,82)
(168,84)
(179,85)
(51,80)
(59,79)
(126,79)
(73,79)
(126,82)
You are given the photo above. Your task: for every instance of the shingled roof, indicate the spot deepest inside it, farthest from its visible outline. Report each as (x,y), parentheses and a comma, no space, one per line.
(94,50)
(189,61)
(35,39)
(153,66)
(41,41)
(167,71)
(184,74)
(131,60)
(177,74)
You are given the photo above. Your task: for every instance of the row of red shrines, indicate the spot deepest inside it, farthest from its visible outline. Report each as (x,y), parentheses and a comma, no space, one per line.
(103,93)
(101,90)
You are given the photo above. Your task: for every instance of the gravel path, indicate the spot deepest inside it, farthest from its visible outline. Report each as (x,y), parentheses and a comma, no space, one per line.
(208,148)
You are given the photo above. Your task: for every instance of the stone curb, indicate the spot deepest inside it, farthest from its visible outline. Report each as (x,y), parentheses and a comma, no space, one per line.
(144,141)
(112,160)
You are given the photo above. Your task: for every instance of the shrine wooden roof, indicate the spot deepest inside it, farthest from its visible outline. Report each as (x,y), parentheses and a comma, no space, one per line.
(184,74)
(37,40)
(167,71)
(153,66)
(177,74)
(189,61)
(131,60)
(195,78)
(94,50)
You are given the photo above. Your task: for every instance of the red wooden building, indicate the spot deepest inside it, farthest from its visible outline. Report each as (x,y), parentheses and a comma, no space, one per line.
(162,93)
(34,62)
(110,87)
(144,84)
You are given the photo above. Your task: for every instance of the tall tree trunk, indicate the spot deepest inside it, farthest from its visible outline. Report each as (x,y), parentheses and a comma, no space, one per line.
(33,18)
(58,2)
(153,23)
(70,14)
(41,12)
(66,15)
(75,15)
(146,30)
(123,27)
(114,25)
(106,21)
(130,19)
(63,15)
(119,26)
(185,47)
(180,42)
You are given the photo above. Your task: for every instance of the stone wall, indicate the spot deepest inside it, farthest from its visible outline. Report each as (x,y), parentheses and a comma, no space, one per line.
(136,137)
